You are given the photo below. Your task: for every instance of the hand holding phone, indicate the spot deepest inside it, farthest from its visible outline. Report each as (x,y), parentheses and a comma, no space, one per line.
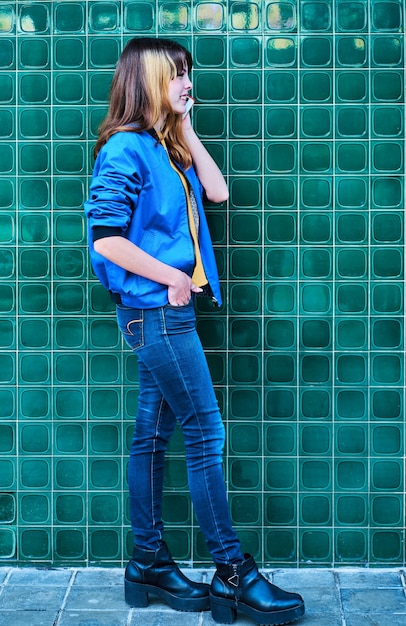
(189,103)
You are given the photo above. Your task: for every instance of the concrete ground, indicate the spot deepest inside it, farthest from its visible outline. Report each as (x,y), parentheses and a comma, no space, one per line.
(94,597)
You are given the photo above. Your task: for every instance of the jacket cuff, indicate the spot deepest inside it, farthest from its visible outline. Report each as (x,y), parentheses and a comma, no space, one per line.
(99,232)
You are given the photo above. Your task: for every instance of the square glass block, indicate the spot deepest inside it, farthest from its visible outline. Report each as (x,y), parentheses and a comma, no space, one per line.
(387,121)
(316,51)
(7,15)
(387,50)
(245,87)
(69,508)
(351,16)
(7,91)
(387,334)
(386,192)
(104,16)
(104,52)
(245,509)
(69,333)
(245,403)
(210,86)
(34,53)
(69,17)
(387,86)
(34,19)
(7,121)
(34,88)
(35,543)
(244,439)
(351,51)
(387,510)
(210,51)
(352,193)
(316,16)
(281,510)
(281,545)
(351,509)
(351,121)
(386,16)
(245,192)
(245,17)
(210,122)
(245,228)
(70,52)
(34,509)
(139,16)
(34,123)
(281,122)
(245,122)
(245,51)
(351,334)
(351,227)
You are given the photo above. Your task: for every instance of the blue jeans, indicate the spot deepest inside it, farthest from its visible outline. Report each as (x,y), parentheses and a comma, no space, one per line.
(175,385)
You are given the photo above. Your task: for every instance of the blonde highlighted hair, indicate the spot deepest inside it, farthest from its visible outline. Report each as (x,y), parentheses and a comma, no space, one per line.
(139,93)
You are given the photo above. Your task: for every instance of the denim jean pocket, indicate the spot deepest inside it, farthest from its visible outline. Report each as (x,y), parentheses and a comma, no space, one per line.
(131,324)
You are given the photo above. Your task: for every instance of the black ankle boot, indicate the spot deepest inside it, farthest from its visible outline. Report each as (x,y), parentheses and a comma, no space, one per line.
(157,573)
(242,588)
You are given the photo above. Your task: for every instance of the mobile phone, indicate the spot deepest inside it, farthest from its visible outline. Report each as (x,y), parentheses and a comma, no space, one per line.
(189,103)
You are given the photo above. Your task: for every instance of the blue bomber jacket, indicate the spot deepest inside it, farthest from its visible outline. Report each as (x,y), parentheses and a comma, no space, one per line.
(136,193)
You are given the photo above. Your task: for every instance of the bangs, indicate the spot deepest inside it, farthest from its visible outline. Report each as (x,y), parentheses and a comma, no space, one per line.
(180,57)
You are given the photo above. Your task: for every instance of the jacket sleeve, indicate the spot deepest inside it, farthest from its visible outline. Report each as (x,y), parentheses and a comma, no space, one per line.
(115,186)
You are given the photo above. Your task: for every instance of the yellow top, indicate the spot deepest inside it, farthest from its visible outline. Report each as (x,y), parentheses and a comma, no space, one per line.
(198,276)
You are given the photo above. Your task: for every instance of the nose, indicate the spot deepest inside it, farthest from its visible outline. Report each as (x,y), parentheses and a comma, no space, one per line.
(188,83)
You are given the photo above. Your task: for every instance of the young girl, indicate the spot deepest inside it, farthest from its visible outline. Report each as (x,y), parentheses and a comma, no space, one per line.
(150,247)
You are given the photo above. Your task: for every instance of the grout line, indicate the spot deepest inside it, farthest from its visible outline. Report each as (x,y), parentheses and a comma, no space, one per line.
(5,581)
(65,599)
(340,603)
(402,574)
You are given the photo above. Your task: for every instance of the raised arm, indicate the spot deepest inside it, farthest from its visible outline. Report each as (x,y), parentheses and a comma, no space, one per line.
(207,170)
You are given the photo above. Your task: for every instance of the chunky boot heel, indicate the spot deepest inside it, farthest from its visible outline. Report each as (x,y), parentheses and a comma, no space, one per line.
(240,587)
(221,612)
(156,572)
(134,596)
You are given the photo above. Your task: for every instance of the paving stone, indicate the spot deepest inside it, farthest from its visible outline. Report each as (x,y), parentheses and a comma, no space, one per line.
(30,618)
(99,576)
(98,598)
(142,617)
(377,619)
(321,600)
(37,599)
(372,579)
(366,601)
(40,576)
(93,618)
(297,579)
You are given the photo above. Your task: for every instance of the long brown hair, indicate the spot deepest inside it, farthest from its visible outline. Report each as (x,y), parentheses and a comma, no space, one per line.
(139,93)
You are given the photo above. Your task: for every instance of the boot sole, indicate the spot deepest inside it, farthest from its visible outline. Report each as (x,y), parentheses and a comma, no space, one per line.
(225,612)
(136,595)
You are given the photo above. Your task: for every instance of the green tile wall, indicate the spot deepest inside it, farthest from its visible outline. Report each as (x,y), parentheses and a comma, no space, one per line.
(302,105)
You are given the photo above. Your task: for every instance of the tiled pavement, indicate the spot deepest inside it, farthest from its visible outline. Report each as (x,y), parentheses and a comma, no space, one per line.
(94,597)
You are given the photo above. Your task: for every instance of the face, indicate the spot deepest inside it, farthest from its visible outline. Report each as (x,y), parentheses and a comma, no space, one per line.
(178,90)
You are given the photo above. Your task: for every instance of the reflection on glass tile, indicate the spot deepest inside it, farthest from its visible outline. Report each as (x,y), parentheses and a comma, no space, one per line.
(210,15)
(281,51)
(174,16)
(316,16)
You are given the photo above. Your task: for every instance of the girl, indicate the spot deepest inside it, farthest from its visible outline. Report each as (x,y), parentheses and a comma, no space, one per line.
(150,247)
